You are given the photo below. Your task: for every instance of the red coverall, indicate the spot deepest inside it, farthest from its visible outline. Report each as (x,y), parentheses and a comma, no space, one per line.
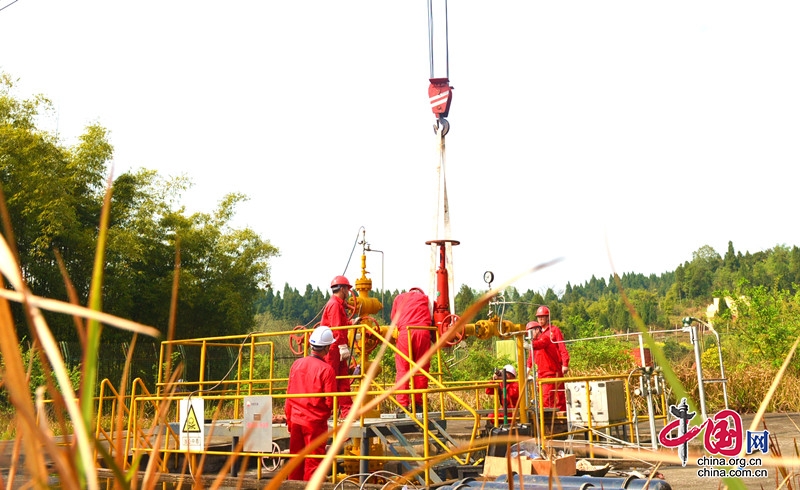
(307,418)
(550,354)
(512,396)
(411,309)
(334,316)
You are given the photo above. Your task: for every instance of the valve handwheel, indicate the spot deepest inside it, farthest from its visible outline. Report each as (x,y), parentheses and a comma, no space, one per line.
(272,463)
(370,341)
(352,310)
(449,322)
(297,341)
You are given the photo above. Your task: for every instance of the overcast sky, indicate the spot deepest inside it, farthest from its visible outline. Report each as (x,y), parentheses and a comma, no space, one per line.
(580,130)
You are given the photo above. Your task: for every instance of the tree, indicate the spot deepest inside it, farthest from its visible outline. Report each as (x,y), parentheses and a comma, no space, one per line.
(767,324)
(700,271)
(55,195)
(464,298)
(731,261)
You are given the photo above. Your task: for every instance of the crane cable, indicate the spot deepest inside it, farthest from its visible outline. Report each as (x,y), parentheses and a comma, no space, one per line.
(446,40)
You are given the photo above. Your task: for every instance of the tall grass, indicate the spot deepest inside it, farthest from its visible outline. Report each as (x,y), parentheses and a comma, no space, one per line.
(74,462)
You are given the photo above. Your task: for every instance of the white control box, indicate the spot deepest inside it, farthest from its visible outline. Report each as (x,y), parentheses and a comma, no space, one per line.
(605,402)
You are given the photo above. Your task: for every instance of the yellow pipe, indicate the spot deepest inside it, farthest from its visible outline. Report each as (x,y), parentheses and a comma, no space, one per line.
(522,403)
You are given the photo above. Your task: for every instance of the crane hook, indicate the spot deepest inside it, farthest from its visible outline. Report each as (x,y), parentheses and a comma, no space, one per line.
(442,123)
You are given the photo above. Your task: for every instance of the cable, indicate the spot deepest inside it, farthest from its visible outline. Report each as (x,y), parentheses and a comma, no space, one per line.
(352,251)
(241,347)
(390,477)
(6,6)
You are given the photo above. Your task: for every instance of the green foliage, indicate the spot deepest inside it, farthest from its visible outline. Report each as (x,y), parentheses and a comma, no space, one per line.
(54,196)
(265,322)
(598,353)
(710,358)
(32,360)
(767,324)
(475,359)
(675,350)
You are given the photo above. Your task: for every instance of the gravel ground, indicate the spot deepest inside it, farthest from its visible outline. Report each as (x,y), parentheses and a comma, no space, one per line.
(782,427)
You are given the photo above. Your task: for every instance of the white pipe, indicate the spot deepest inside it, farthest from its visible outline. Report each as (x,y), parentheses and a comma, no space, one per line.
(650,407)
(698,360)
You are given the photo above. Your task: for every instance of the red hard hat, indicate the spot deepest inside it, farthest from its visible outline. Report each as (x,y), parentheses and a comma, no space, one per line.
(340,281)
(543,311)
(532,325)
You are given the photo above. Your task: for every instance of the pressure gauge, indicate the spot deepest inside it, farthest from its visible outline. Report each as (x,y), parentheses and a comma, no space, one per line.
(488,277)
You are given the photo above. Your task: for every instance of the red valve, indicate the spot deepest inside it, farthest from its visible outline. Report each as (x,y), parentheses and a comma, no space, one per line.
(449,322)
(297,341)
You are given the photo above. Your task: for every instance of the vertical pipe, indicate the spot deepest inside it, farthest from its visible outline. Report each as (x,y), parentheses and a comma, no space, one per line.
(202,383)
(426,450)
(724,381)
(160,368)
(697,360)
(363,464)
(411,397)
(271,365)
(522,403)
(646,385)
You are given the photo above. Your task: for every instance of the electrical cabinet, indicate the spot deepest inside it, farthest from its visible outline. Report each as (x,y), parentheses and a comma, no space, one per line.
(605,402)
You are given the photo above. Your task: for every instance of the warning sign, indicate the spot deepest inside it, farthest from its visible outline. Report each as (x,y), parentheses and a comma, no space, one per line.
(191,424)
(192,427)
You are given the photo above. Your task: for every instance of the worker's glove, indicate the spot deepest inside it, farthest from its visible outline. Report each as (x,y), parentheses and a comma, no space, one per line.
(344,352)
(357,320)
(564,370)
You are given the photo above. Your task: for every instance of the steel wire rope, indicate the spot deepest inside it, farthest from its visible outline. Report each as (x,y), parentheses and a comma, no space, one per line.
(355,302)
(319,313)
(8,5)
(355,243)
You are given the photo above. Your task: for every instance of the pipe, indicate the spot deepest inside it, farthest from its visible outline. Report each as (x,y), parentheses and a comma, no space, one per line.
(575,482)
(650,409)
(601,482)
(363,465)
(699,362)
(721,367)
(544,484)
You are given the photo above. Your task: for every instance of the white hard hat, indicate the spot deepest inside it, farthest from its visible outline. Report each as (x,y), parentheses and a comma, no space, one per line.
(321,336)
(510,369)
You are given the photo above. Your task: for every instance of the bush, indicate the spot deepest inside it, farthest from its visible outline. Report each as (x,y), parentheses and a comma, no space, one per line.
(475,359)
(676,351)
(609,354)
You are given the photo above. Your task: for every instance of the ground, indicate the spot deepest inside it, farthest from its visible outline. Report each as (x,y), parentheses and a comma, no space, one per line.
(784,430)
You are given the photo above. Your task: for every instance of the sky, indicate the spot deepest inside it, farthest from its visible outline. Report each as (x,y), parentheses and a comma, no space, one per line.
(615,136)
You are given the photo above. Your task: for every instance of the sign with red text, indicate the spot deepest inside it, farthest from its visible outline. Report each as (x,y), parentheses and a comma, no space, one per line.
(258,423)
(724,439)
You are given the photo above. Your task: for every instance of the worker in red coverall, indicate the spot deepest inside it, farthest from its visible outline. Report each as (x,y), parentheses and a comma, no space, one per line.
(334,315)
(512,389)
(551,356)
(411,309)
(307,418)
